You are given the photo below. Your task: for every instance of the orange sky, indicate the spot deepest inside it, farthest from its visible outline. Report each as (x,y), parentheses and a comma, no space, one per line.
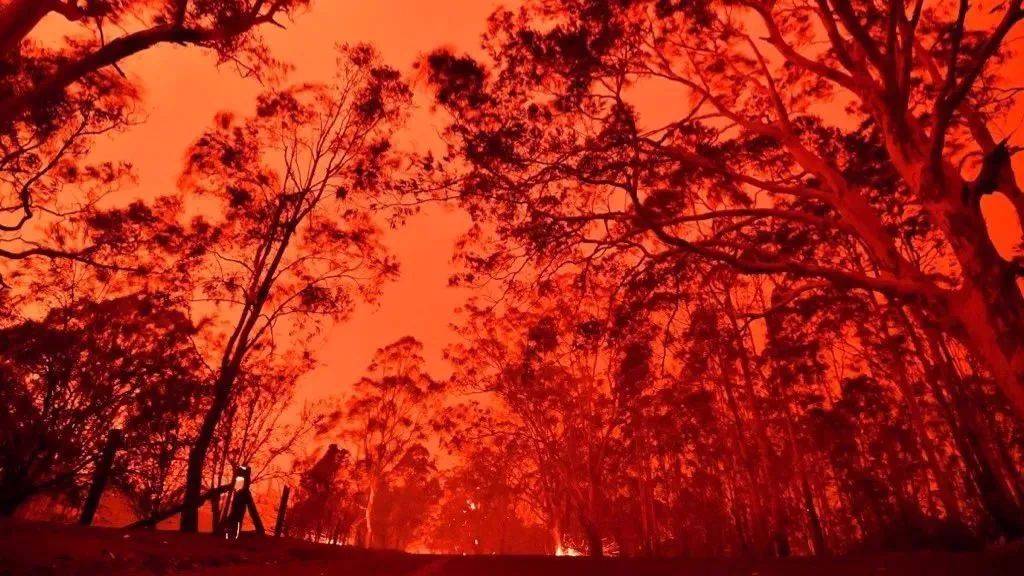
(184,89)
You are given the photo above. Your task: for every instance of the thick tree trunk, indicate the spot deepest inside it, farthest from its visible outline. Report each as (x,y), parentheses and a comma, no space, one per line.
(992,317)
(18,18)
(986,312)
(988,307)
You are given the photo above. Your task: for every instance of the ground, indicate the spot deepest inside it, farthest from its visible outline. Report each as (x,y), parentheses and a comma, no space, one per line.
(38,549)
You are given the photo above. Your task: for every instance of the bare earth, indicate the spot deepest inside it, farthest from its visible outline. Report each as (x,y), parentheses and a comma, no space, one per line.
(39,549)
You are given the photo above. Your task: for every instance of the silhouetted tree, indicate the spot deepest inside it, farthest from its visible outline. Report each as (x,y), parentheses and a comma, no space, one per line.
(765,167)
(388,419)
(69,377)
(327,503)
(58,95)
(292,241)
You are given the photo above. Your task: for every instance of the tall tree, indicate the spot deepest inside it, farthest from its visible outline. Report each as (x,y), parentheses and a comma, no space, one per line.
(291,241)
(815,135)
(67,378)
(388,418)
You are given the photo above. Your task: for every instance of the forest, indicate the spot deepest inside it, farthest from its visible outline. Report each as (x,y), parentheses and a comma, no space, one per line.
(739,278)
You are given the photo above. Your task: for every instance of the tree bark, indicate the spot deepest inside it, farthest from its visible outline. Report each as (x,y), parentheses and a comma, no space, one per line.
(18,18)
(968,434)
(197,453)
(371,499)
(595,544)
(986,312)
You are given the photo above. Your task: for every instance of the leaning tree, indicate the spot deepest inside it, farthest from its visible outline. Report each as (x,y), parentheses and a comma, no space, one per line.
(287,239)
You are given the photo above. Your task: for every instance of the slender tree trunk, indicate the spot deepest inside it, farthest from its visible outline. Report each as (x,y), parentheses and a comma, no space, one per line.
(748,464)
(970,437)
(820,547)
(766,454)
(595,544)
(820,544)
(990,476)
(739,521)
(1011,471)
(266,262)
(199,449)
(642,483)
(556,535)
(371,499)
(947,493)
(595,508)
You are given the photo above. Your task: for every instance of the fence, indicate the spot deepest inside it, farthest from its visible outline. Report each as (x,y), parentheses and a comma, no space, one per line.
(239,502)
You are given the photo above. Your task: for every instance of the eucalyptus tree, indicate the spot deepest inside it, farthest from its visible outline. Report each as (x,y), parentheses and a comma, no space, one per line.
(285,237)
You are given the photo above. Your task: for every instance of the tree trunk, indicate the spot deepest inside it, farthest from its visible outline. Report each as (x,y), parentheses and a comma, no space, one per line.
(199,449)
(780,522)
(986,312)
(992,316)
(969,435)
(371,499)
(556,537)
(947,493)
(14,489)
(820,545)
(595,544)
(10,502)
(18,18)
(989,475)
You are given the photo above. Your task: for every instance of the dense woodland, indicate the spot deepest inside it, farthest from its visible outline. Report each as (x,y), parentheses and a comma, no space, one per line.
(767,320)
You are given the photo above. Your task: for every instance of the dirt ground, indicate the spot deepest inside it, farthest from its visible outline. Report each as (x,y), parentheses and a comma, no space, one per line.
(40,549)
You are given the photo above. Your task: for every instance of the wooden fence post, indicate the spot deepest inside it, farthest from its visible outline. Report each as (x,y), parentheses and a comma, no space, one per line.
(100,476)
(236,513)
(282,510)
(241,503)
